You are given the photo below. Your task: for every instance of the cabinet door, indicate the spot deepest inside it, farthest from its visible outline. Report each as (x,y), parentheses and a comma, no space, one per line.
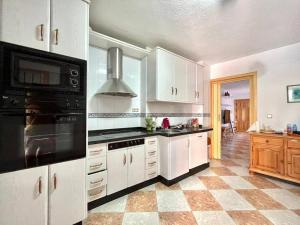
(165,76)
(200,84)
(25,23)
(198,150)
(24,195)
(268,158)
(179,156)
(117,162)
(136,165)
(67,195)
(69,28)
(191,82)
(180,71)
(293,163)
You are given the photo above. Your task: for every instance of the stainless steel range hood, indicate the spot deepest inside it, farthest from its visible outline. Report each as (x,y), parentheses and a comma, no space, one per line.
(115,85)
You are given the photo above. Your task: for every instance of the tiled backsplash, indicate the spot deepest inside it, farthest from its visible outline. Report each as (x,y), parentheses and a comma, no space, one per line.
(109,112)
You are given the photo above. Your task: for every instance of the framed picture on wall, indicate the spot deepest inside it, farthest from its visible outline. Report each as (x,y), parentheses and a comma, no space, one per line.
(293,93)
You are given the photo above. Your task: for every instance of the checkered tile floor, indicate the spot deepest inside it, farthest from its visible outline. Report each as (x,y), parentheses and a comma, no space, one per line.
(224,194)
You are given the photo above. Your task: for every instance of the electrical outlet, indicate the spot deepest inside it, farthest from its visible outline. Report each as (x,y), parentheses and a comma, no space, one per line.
(135,110)
(269,116)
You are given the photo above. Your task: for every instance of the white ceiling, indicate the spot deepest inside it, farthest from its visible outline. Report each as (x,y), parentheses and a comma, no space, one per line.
(209,30)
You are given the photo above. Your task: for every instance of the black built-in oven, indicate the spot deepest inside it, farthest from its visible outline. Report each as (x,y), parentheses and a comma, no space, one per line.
(42,108)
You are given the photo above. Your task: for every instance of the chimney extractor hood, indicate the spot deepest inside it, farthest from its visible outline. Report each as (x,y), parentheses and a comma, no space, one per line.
(115,85)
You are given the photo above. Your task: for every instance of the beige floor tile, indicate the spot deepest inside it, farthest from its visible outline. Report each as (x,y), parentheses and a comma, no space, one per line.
(260,182)
(162,187)
(223,171)
(177,218)
(249,218)
(142,201)
(104,219)
(260,200)
(202,200)
(214,183)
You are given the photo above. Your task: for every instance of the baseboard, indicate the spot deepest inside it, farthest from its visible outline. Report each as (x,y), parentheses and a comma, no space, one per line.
(108,198)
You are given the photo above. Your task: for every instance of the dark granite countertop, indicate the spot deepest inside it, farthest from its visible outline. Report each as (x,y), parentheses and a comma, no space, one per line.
(96,137)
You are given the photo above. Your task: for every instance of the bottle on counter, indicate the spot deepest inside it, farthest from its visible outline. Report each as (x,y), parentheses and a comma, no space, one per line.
(294,128)
(289,128)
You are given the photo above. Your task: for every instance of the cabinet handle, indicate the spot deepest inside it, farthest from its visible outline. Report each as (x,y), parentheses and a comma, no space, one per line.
(172,90)
(42,32)
(198,94)
(97,181)
(95,152)
(55,181)
(40,185)
(151,174)
(124,160)
(130,158)
(175,91)
(152,163)
(96,165)
(267,141)
(56,36)
(151,153)
(200,136)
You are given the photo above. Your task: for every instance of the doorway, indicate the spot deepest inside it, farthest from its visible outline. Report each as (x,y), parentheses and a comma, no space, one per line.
(217,118)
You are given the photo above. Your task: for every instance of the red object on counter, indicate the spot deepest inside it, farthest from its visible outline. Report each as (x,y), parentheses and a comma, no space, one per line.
(165,123)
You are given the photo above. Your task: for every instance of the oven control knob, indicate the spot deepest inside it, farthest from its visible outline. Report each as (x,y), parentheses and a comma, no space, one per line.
(68,104)
(73,82)
(77,105)
(14,101)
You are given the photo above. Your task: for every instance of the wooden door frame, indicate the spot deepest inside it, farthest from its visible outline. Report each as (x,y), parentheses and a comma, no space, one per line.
(215,100)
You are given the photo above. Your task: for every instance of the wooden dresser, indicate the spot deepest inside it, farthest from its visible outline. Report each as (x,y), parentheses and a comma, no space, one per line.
(275,155)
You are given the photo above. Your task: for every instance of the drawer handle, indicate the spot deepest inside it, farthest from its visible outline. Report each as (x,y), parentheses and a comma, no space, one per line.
(95,192)
(151,174)
(294,141)
(152,163)
(151,142)
(96,165)
(96,151)
(152,153)
(200,136)
(96,182)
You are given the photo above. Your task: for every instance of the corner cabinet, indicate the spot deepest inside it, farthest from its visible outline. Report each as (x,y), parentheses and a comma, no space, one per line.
(172,78)
(47,195)
(50,25)
(276,155)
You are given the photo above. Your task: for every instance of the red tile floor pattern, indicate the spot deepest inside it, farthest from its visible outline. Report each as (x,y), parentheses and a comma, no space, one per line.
(224,194)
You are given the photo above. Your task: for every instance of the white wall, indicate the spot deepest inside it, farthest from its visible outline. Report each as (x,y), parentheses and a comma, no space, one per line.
(134,74)
(276,69)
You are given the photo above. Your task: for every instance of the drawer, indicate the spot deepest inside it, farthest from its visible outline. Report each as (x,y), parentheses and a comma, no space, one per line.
(151,153)
(96,164)
(268,141)
(96,193)
(151,163)
(151,173)
(97,150)
(293,143)
(151,142)
(96,180)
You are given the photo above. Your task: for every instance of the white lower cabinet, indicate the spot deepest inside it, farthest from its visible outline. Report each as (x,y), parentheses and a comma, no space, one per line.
(125,168)
(136,165)
(174,156)
(44,195)
(198,150)
(24,197)
(67,202)
(116,170)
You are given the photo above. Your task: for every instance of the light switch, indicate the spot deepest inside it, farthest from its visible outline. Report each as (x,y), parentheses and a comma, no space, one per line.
(269,116)
(135,110)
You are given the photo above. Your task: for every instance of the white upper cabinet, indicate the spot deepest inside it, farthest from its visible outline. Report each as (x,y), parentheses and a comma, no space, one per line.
(165,69)
(191,82)
(23,197)
(69,28)
(25,23)
(200,84)
(170,78)
(67,195)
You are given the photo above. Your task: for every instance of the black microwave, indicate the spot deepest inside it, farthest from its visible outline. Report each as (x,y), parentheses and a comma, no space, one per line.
(31,71)
(42,108)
